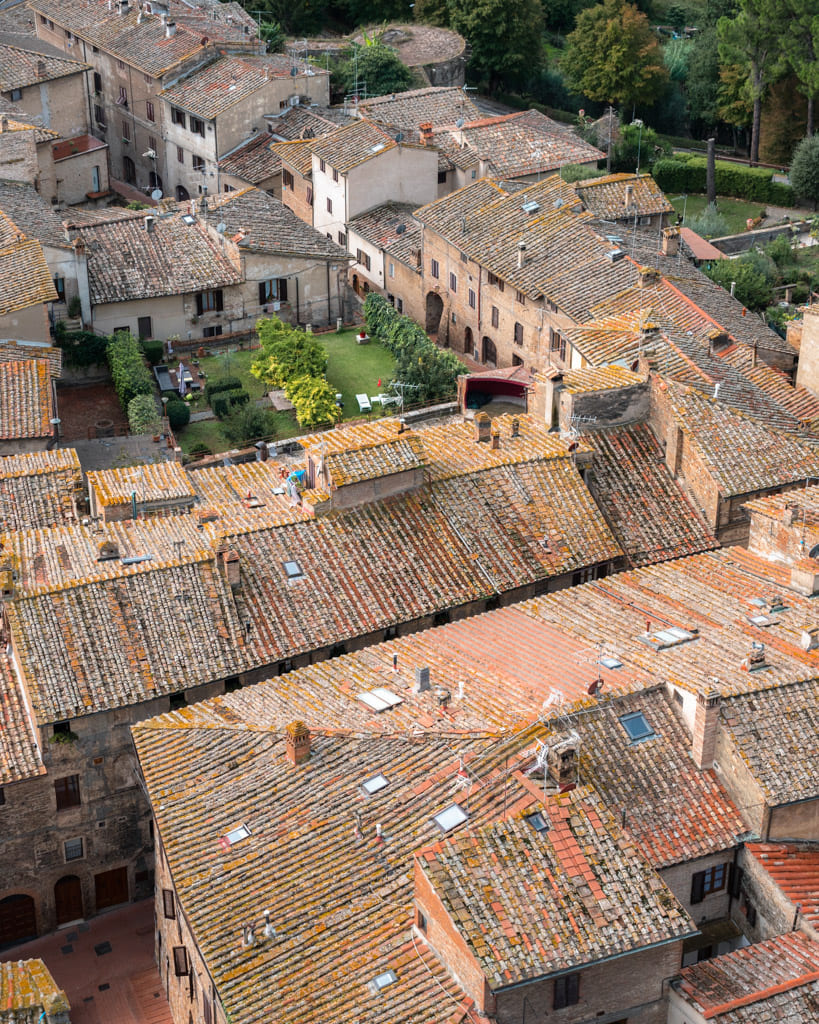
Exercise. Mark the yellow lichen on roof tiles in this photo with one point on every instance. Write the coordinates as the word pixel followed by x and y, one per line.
pixel 26 399
pixel 599 378
pixel 27 985
pixel 151 482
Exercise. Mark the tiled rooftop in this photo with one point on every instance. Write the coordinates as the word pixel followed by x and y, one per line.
pixel 25 279
pixel 262 223
pixel 606 197
pixel 529 903
pixel 801 505
pixel 775 733
pixel 26 989
pixel 38 489
pixel 438 106
pixel 296 154
pixel 253 161
pixel 352 144
pixel 648 513
pixel 794 868
pixel 19 753
pixel 26 399
pixel 127 262
pixel 76 145
pixel 14 351
pixel 231 79
pixel 305 122
pixel 392 228
pixel 395 456
pixel 161 481
pixel 20 68
pixel 770 981
pixel 24 205
pixel 145 45
pixel 599 378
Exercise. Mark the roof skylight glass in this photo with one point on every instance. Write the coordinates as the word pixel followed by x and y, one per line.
pixel 236 835
pixel 381 981
pixel 374 784
pixel 293 569
pixel 539 821
pixel 380 699
pixel 451 818
pixel 637 727
pixel 611 662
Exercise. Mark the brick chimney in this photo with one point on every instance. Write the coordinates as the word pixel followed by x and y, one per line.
pixel 495 437
pixel 425 131
pixel 296 742
pixel 229 566
pixel 648 276
pixel 671 241
pixel 483 428
pixel 706 719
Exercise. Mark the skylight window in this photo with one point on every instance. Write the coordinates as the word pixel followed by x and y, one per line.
pixel 611 662
pixel 669 637
pixel 637 727
pixel 294 570
pixel 382 981
pixel 539 821
pixel 188 219
pixel 236 835
pixel 450 818
pixel 380 699
pixel 375 784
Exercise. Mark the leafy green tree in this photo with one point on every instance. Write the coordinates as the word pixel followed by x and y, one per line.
pixel 800 45
pixel 750 41
pixel 379 69
pixel 298 17
pixel 702 79
pixel 637 147
pixel 432 12
pixel 506 38
pixel 804 173
pixel 613 55
pixel 248 423
pixel 313 399
pixel 273 34
pixel 676 56
pixel 753 287
pixel 286 352
pixel 143 417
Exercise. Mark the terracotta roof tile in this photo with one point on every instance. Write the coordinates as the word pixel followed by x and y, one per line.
pixel 24 205
pixel 26 987
pixel 26 399
pixel 14 351
pixel 20 68
pixel 303 122
pixel 19 753
pixel 298 155
pixel 351 144
pixel 151 482
pixel 25 279
pixel 606 197
pixel 38 489
pixel 392 228
pixel 253 161
pixel 438 106
pixel 794 868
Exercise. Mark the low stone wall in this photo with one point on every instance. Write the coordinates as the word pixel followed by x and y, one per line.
pixel 733 244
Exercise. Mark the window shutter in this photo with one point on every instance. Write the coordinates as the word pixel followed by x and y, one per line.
pixel 283 289
pixel 180 961
pixel 572 989
pixel 199 305
pixel 220 305
pixel 734 880
pixel 262 292
pixel 697 886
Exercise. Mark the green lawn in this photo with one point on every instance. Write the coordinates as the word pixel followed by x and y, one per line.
pixel 353 369
pixel 735 211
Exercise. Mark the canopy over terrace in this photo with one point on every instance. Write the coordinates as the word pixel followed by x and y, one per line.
pixel 509 385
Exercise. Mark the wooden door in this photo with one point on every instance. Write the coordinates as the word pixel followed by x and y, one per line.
pixel 18 920
pixel 68 899
pixel 111 888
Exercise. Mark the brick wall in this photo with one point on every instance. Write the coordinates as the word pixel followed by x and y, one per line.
pixel 742 788
pixel 807 373
pixel 774 911
pixel 714 905
pixel 297 196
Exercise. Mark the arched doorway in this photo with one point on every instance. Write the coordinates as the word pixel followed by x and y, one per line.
pixel 18 920
pixel 469 342
pixel 129 170
pixel 182 194
pixel 356 284
pixel 489 353
pixel 435 309
pixel 68 899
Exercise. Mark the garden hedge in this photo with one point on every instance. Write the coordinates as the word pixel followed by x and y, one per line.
pixel 213 387
pixel 224 402
pixel 129 373
pixel 686 175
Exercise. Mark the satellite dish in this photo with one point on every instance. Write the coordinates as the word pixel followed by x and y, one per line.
pixel 459 123
pixel 399 137
pixel 221 227
pixel 156 195
pixel 293 72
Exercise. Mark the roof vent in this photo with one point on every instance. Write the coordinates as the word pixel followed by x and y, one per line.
pixel 170 29
pixel 615 255
pixel 532 206
pixel 756 658
pixel 401 229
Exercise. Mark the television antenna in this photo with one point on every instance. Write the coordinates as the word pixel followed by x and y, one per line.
pixel 400 387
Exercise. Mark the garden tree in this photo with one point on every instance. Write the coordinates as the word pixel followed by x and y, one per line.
pixel 379 69
pixel 750 40
pixel 702 79
pixel 637 147
pixel 804 173
pixel 248 423
pixel 613 55
pixel 734 104
pixel 143 417
pixel 505 38
pixel 313 399
pixel 753 280
pixel 432 12
pixel 800 49
pixel 273 35
pixel 286 352
pixel 299 17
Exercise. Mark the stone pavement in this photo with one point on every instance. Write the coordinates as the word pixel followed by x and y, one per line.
pixel 106 967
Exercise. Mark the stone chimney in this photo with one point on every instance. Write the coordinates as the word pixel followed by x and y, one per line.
pixel 422 679
pixel 495 437
pixel 425 131
pixel 170 29
pixel 296 742
pixel 41 69
pixel 521 255
pixel 628 199
pixel 149 224
pixel 648 276
pixel 671 241
pixel 229 566
pixel 706 725
pixel 805 577
pixel 483 428
pixel 563 761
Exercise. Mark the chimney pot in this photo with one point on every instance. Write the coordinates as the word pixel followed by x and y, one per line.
pixel 425 130
pixel 671 241
pixel 629 197
pixel 297 742
pixel 495 438
pixel 229 566
pixel 170 29
pixel 521 255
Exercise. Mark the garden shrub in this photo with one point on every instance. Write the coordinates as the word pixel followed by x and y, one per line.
pixel 178 413
pixel 143 417
pixel 224 402
pixel 153 350
pixel 81 348
pixel 213 387
pixel 130 375
pixel 683 174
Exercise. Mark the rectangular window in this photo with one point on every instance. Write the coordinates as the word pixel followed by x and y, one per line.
pixel 274 290
pixel 152 143
pixel 567 991
pixel 335 174
pixel 98 83
pixel 442 177
pixel 120 65
pixel 144 327
pixel 180 961
pixel 149 110
pixel 517 361
pixel 363 258
pixel 59 288
pixel 322 166
pixel 472 299
pixel 329 205
pixel 177 117
pixel 309 195
pixel 126 132
pixel 520 297
pixel 551 305
pixel 434 269
pixel 177 701
pixel 399 305
pixel 705 882
pixel 73 849
pixel 2 796
pixel 147 79
pixel 453 283
pixel 212 332
pixel 99 115
pixel 518 334
pixel 210 302
pixel 562 351
pixel 168 904
pixel 495 316
pixel 180 154
pixel 122 99
pixel 342 239
pixel 197 126
pixel 198 162
pixel 392 270
pixel 67 791
pixel 287 179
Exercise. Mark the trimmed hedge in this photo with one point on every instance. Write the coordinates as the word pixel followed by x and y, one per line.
pixel 153 350
pixel 213 387
pixel 224 402
pixel 688 174
pixel 178 413
pixel 129 373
